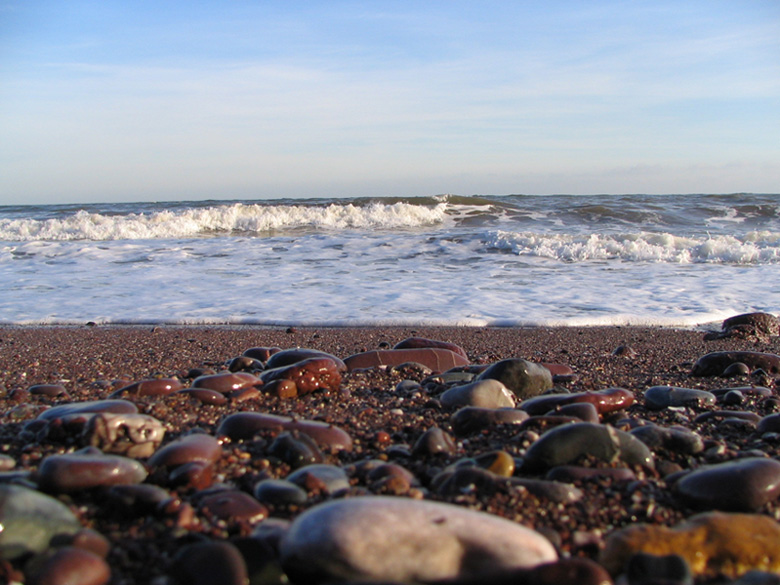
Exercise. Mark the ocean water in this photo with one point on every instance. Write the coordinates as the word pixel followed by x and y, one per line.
pixel 669 260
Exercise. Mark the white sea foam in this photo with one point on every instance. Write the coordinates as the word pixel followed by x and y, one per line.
pixel 85 225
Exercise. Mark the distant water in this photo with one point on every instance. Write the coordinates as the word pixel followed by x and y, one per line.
pixel 673 260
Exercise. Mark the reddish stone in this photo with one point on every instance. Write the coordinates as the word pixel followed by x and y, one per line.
pixel 245 425
pixel 207 563
pixel 232 506
pixel 421 342
pixel 152 387
pixel 197 447
pixel 558 369
pixel 226 381
pixel 605 401
pixel 438 360
pixel 204 395
pixel 261 353
pixel 71 565
pixel 309 375
pixel 244 394
pixel 289 357
pixel 281 389
pixel 77 471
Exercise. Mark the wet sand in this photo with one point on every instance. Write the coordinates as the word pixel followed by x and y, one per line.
pixel 92 361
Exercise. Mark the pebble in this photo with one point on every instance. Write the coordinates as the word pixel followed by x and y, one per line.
pixel 679 440
pixel 132 435
pixel 498 462
pixel 325 478
pixel 69 565
pixel 50 390
pixel 30 520
pixel 296 449
pixel 482 394
pixel 660 397
pixel 310 375
pixel 472 419
pixel 115 406
pixel 245 425
pixel 605 401
pixel 523 378
pixel 196 447
pixel 152 387
pixel 647 569
pixel 401 539
pixel 279 492
pixel 438 360
pixel 226 382
pixel 288 357
pixel 208 563
pixel 421 342
pixel 77 471
pixel 715 363
pixel 743 485
pixel 433 442
pixel 564 444
pixel 769 424
pixel 203 395
pixel 261 353
pixel 232 507
pixel 712 543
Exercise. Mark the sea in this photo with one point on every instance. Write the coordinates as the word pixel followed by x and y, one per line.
pixel 684 261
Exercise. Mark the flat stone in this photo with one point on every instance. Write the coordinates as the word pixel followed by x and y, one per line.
pixel 713 544
pixel 76 471
pixel 151 387
pixel 30 520
pixel 566 443
pixel 115 406
pixel 605 401
pixel 743 485
pixel 715 363
pixel 523 378
pixel 660 397
pixel 245 425
pixel 438 360
pixel 197 447
pixel 400 539
pixel 672 439
pixel 482 394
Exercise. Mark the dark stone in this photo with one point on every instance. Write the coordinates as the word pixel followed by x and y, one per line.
pixel 715 363
pixel 472 419
pixel 523 378
pixel 68 565
pixel 605 401
pixel 208 563
pixel 647 569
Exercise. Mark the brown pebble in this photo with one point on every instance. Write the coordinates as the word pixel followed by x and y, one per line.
pixel 152 387
pixel 204 395
pixel 197 447
pixel 77 471
pixel 69 566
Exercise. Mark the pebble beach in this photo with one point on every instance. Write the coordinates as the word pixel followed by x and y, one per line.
pixel 524 455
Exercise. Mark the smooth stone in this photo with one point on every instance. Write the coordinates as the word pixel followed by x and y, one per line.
pixel 715 363
pixel 401 539
pixel 671 439
pixel 584 411
pixel 86 539
pixel 605 401
pixel 288 357
pixel 261 353
pixel 142 498
pixel 751 417
pixel 712 543
pixel 523 378
pixel 422 342
pixel 310 375
pixel 647 569
pixel 196 447
pixel 438 360
pixel 70 565
pixel 746 390
pixel 245 425
pixel 209 563
pixel 769 424
pixel 226 382
pixel 433 442
pixel 743 485
pixel 31 520
pixel 660 397
pixel 482 394
pixel 195 474
pixel 51 390
pixel 328 479
pixel 115 406
pixel 279 492
pixel 499 462
pixel 244 363
pixel 472 419
pixel 564 444
pixel 132 435
pixel 203 395
pixel 281 389
pixel 77 471
pixel 296 449
pixel 151 387
pixel 232 507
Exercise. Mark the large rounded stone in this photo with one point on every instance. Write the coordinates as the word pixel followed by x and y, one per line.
pixel 715 363
pixel 660 397
pixel 713 544
pixel 245 425
pixel 483 394
pixel 76 471
pixel 523 378
pixel 30 520
pixel 400 539
pixel 565 444
pixel 743 485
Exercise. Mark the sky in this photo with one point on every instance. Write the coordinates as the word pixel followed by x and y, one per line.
pixel 109 100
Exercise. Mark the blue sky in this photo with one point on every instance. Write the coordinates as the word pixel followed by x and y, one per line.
pixel 135 101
